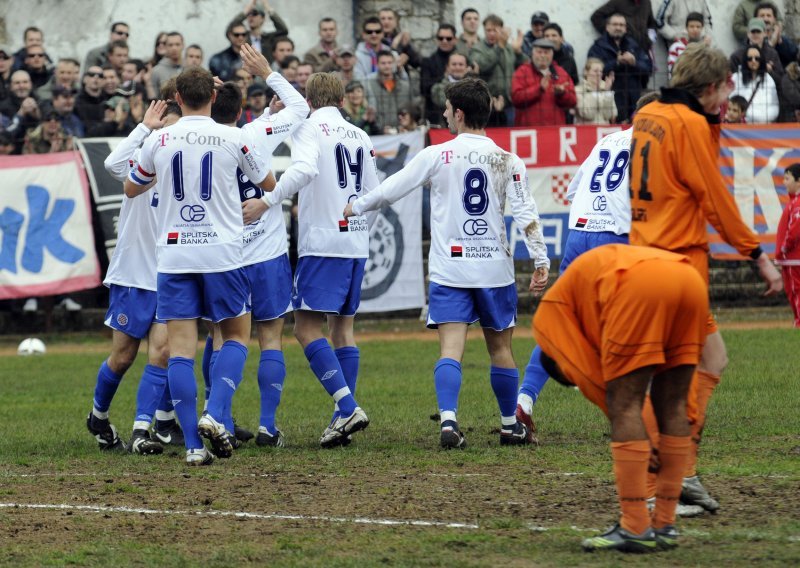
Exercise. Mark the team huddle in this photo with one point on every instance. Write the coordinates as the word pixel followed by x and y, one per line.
pixel 202 236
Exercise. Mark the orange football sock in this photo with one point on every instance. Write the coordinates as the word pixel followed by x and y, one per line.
pixel 673 453
pixel 630 470
pixel 703 385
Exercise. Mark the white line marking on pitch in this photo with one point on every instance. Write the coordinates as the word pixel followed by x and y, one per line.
pixel 240 514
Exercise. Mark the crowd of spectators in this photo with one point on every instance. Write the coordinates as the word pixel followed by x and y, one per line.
pixel 47 100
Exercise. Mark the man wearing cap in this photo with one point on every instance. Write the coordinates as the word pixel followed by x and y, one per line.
pixel 538 21
pixel 345 64
pixel 322 57
pixel 756 35
pixel 64 105
pixel 541 90
pixel 433 69
pixel 255 15
pixel 171 64
pixel 256 103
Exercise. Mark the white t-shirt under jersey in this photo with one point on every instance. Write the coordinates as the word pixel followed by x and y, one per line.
pixel 471 178
pixel 333 162
pixel 134 260
pixel 265 238
pixel 199 211
pixel 600 190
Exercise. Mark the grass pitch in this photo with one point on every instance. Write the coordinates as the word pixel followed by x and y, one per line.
pixel 392 498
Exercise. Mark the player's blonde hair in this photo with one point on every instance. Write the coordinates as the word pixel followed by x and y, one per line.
pixel 698 67
pixel 323 90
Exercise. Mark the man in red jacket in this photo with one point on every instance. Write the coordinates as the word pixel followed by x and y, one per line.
pixel 541 91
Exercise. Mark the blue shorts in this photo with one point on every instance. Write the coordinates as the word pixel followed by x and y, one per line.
pixel 214 296
pixel 270 288
pixel 578 242
pixel 496 308
pixel 131 310
pixel 328 284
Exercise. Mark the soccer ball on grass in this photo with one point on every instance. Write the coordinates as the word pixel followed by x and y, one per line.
pixel 31 346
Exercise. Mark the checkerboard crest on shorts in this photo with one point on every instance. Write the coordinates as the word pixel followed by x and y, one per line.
pixel 559 186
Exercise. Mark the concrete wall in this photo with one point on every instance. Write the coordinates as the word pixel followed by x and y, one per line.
pixel 73 27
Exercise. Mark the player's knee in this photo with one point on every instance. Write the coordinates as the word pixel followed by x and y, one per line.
pixel 158 355
pixel 120 361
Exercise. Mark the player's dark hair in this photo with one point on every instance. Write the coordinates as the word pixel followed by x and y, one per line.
pixel 794 169
pixel 695 17
pixel 228 104
pixel 472 97
pixel 549 365
pixel 172 108
pixel 196 86
pixel 168 90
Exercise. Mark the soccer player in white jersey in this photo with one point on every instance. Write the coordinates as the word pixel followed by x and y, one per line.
pixel 131 280
pixel 199 251
pixel 266 254
pixel 332 163
pixel 471 266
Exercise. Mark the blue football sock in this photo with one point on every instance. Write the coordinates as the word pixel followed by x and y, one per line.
pixel 271 375
pixel 165 404
pixel 535 376
pixel 504 385
pixel 183 387
pixel 349 359
pixel 150 391
pixel 326 367
pixel 447 380
pixel 226 374
pixel 106 387
pixel 207 351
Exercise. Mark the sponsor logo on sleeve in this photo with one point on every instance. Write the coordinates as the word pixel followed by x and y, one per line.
pixel 172 238
pixel 245 150
pixel 456 251
pixel 581 223
pixel 517 177
pixel 268 130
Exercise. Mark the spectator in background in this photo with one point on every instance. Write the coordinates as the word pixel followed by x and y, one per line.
pixel 99 55
pixel 595 97
pixel 408 117
pixel 563 56
pixel 433 68
pixel 736 110
pixel 66 75
pixel 541 91
pixel 756 36
pixel 694 31
pixel 64 105
pixel 256 103
pixel 110 80
pixel 227 61
pixel 243 80
pixel 638 16
pixel 322 57
pixel 367 49
pixel 89 104
pixel 21 107
pixel 671 18
pixel 32 36
pixel 345 63
pixel 193 57
pixel 118 56
pixel 47 137
pixel 457 69
pixel 171 64
pixel 304 71
pixel 470 22
pixel 261 40
pixel 790 94
pixel 6 144
pixel 356 110
pixel 283 47
pixel 753 83
pixel 36 66
pixel 6 61
pixel 538 21
pixel 497 58
pixel 386 91
pixel 630 64
pixel 132 71
pixel 741 18
pixel 288 69
pixel 786 48
pixel 398 41
pixel 159 50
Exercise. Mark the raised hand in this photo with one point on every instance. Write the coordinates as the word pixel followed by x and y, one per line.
pixel 152 116
pixel 254 62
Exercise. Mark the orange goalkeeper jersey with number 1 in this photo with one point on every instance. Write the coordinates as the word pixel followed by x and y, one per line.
pixel 675 182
